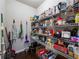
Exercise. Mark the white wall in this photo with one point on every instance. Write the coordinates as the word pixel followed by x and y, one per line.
pixel 49 4
pixel 18 11
pixel 2 6
pixel 2 9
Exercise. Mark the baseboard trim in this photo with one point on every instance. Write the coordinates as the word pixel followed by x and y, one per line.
pixel 20 50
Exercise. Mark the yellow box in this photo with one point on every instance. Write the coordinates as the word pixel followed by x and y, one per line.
pixel 77 18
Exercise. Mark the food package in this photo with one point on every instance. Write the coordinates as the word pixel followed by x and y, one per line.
pixel 32 19
pixel 74 39
pixel 77 18
pixel 49 42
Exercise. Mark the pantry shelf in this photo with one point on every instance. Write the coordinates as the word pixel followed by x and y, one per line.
pixel 48 17
pixel 68 25
pixel 39 27
pixel 52 49
pixel 35 27
pixel 35 21
pixel 45 18
pixel 40 34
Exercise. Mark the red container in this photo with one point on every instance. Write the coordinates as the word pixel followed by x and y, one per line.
pixel 60 48
pixel 41 52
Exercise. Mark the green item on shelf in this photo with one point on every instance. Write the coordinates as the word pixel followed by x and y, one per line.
pixel 48 18
pixel 51 22
pixel 77 18
pixel 36 17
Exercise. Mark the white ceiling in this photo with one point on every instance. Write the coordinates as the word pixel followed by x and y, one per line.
pixel 32 3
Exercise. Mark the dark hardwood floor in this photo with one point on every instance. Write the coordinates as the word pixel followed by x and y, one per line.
pixel 24 55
